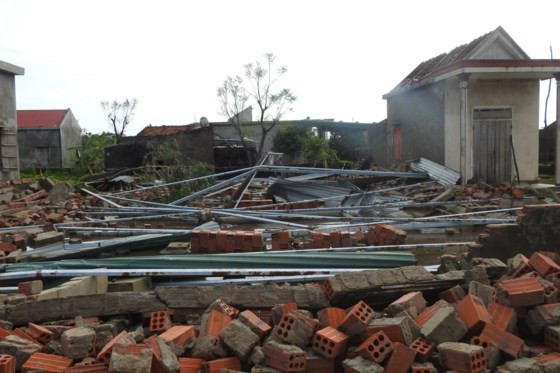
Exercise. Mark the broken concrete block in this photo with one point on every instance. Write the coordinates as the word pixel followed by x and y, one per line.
pixel 484 292
pixel 19 348
pixel 444 326
pixel 239 339
pixel 294 328
pixel 164 359
pixel 204 346
pixel 361 365
pixel 46 238
pixel 30 287
pixel 78 343
pixel 399 329
pixel 462 357
pixel 131 358
pixel 413 303
pixel 477 273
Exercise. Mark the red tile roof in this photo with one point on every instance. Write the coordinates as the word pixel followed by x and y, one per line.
pixel 40 118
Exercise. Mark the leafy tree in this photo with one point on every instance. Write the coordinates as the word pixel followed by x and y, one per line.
pixel 259 86
pixel 349 144
pixel 290 139
pixel 92 154
pixel 119 114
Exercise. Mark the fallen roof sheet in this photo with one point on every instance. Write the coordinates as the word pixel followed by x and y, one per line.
pixel 437 172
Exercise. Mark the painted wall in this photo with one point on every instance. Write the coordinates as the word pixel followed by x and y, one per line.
pixel 70 140
pixel 420 115
pixel 9 166
pixel 521 95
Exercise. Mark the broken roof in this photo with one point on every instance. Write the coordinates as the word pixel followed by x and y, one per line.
pixel 30 119
pixel 495 49
pixel 150 130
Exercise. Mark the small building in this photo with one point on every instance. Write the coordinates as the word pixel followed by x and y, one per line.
pixel 48 139
pixel 474 109
pixel 9 165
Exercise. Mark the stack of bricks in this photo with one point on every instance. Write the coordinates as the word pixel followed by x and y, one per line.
pixel 461 332
pixel 219 242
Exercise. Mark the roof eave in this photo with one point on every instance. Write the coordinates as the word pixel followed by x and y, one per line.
pixel 13 69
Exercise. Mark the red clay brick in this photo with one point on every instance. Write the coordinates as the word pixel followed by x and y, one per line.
pixel 189 364
pixel 545 358
pixel 472 311
pixel 39 333
pixel 93 368
pixel 452 295
pixel 543 265
pixel 360 313
pixel 423 368
pixel 401 359
pixel 160 321
pixel 523 291
pixel 215 366
pixel 505 341
pixel 467 360
pixel 255 323
pixel 412 302
pixel 315 364
pixel 104 355
pixel 504 317
pixel 427 314
pixel 220 305
pixel 376 347
pixel 552 337
pixel 295 328
pixel 329 342
pixel 424 349
pixel 282 309
pixel 217 321
pixel 7 364
pixel 331 316
pixel 47 363
pixel 286 358
pixel 180 335
pixel 22 334
pixel 280 240
pixel 4 333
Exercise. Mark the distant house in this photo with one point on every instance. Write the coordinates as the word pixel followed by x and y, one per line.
pixel 9 166
pixel 48 139
pixel 474 110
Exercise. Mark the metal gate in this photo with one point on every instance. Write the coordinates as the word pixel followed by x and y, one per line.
pixel 492 155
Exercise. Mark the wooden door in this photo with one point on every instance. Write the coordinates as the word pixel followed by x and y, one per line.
pixel 492 156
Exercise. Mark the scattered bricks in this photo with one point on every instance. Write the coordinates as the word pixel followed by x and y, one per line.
pixel 399 329
pixel 429 312
pixel 163 359
pixel 486 293
pixel 93 368
pixel 189 364
pixel 39 333
pixel 30 287
pixel 4 333
pixel 473 312
pixel 505 341
pixel 45 238
pixel 504 317
pixel 220 305
pixel 123 338
pixel 23 335
pixel 401 359
pixel 160 321
pixel 7 364
pixel 216 366
pixel 360 365
pixel 131 358
pixel 552 337
pixel 551 294
pixel 294 328
pixel 462 357
pixel 543 264
pixel 287 358
pixel 239 339
pixel 329 342
pixel 179 338
pixel 541 316
pixel 213 323
pixel 280 310
pixel 7 247
pixel 389 235
pixel 519 266
pixel 78 343
pixel 204 347
pixel 413 303
pixel 423 368
pixel 356 320
pixel 331 316
pixel 444 326
pixel 424 349
pixel 453 295
pixel 376 347
pixel 46 363
pixel 20 348
pixel 520 292
pixel 280 240
pixel 316 364
pixel 35 196
pixel 255 323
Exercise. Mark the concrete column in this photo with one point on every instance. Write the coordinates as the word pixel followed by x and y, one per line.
pixel 557 158
pixel 463 85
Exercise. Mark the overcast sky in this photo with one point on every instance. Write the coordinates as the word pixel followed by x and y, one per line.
pixel 342 56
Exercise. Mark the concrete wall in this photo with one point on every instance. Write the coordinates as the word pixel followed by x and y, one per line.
pixel 195 145
pixel 377 141
pixel 253 132
pixel 39 149
pixel 420 115
pixel 70 140
pixel 9 166
pixel 521 95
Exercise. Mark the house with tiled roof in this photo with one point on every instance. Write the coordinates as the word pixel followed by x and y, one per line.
pixel 48 139
pixel 9 166
pixel 474 109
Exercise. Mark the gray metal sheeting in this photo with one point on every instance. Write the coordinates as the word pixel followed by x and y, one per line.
pixel 437 172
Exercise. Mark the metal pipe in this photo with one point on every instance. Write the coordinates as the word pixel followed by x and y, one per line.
pixel 255 218
pixel 311 170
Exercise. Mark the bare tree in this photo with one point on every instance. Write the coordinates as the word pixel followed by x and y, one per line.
pixel 258 86
pixel 119 115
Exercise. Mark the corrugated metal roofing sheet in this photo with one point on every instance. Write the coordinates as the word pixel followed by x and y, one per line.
pixel 437 172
